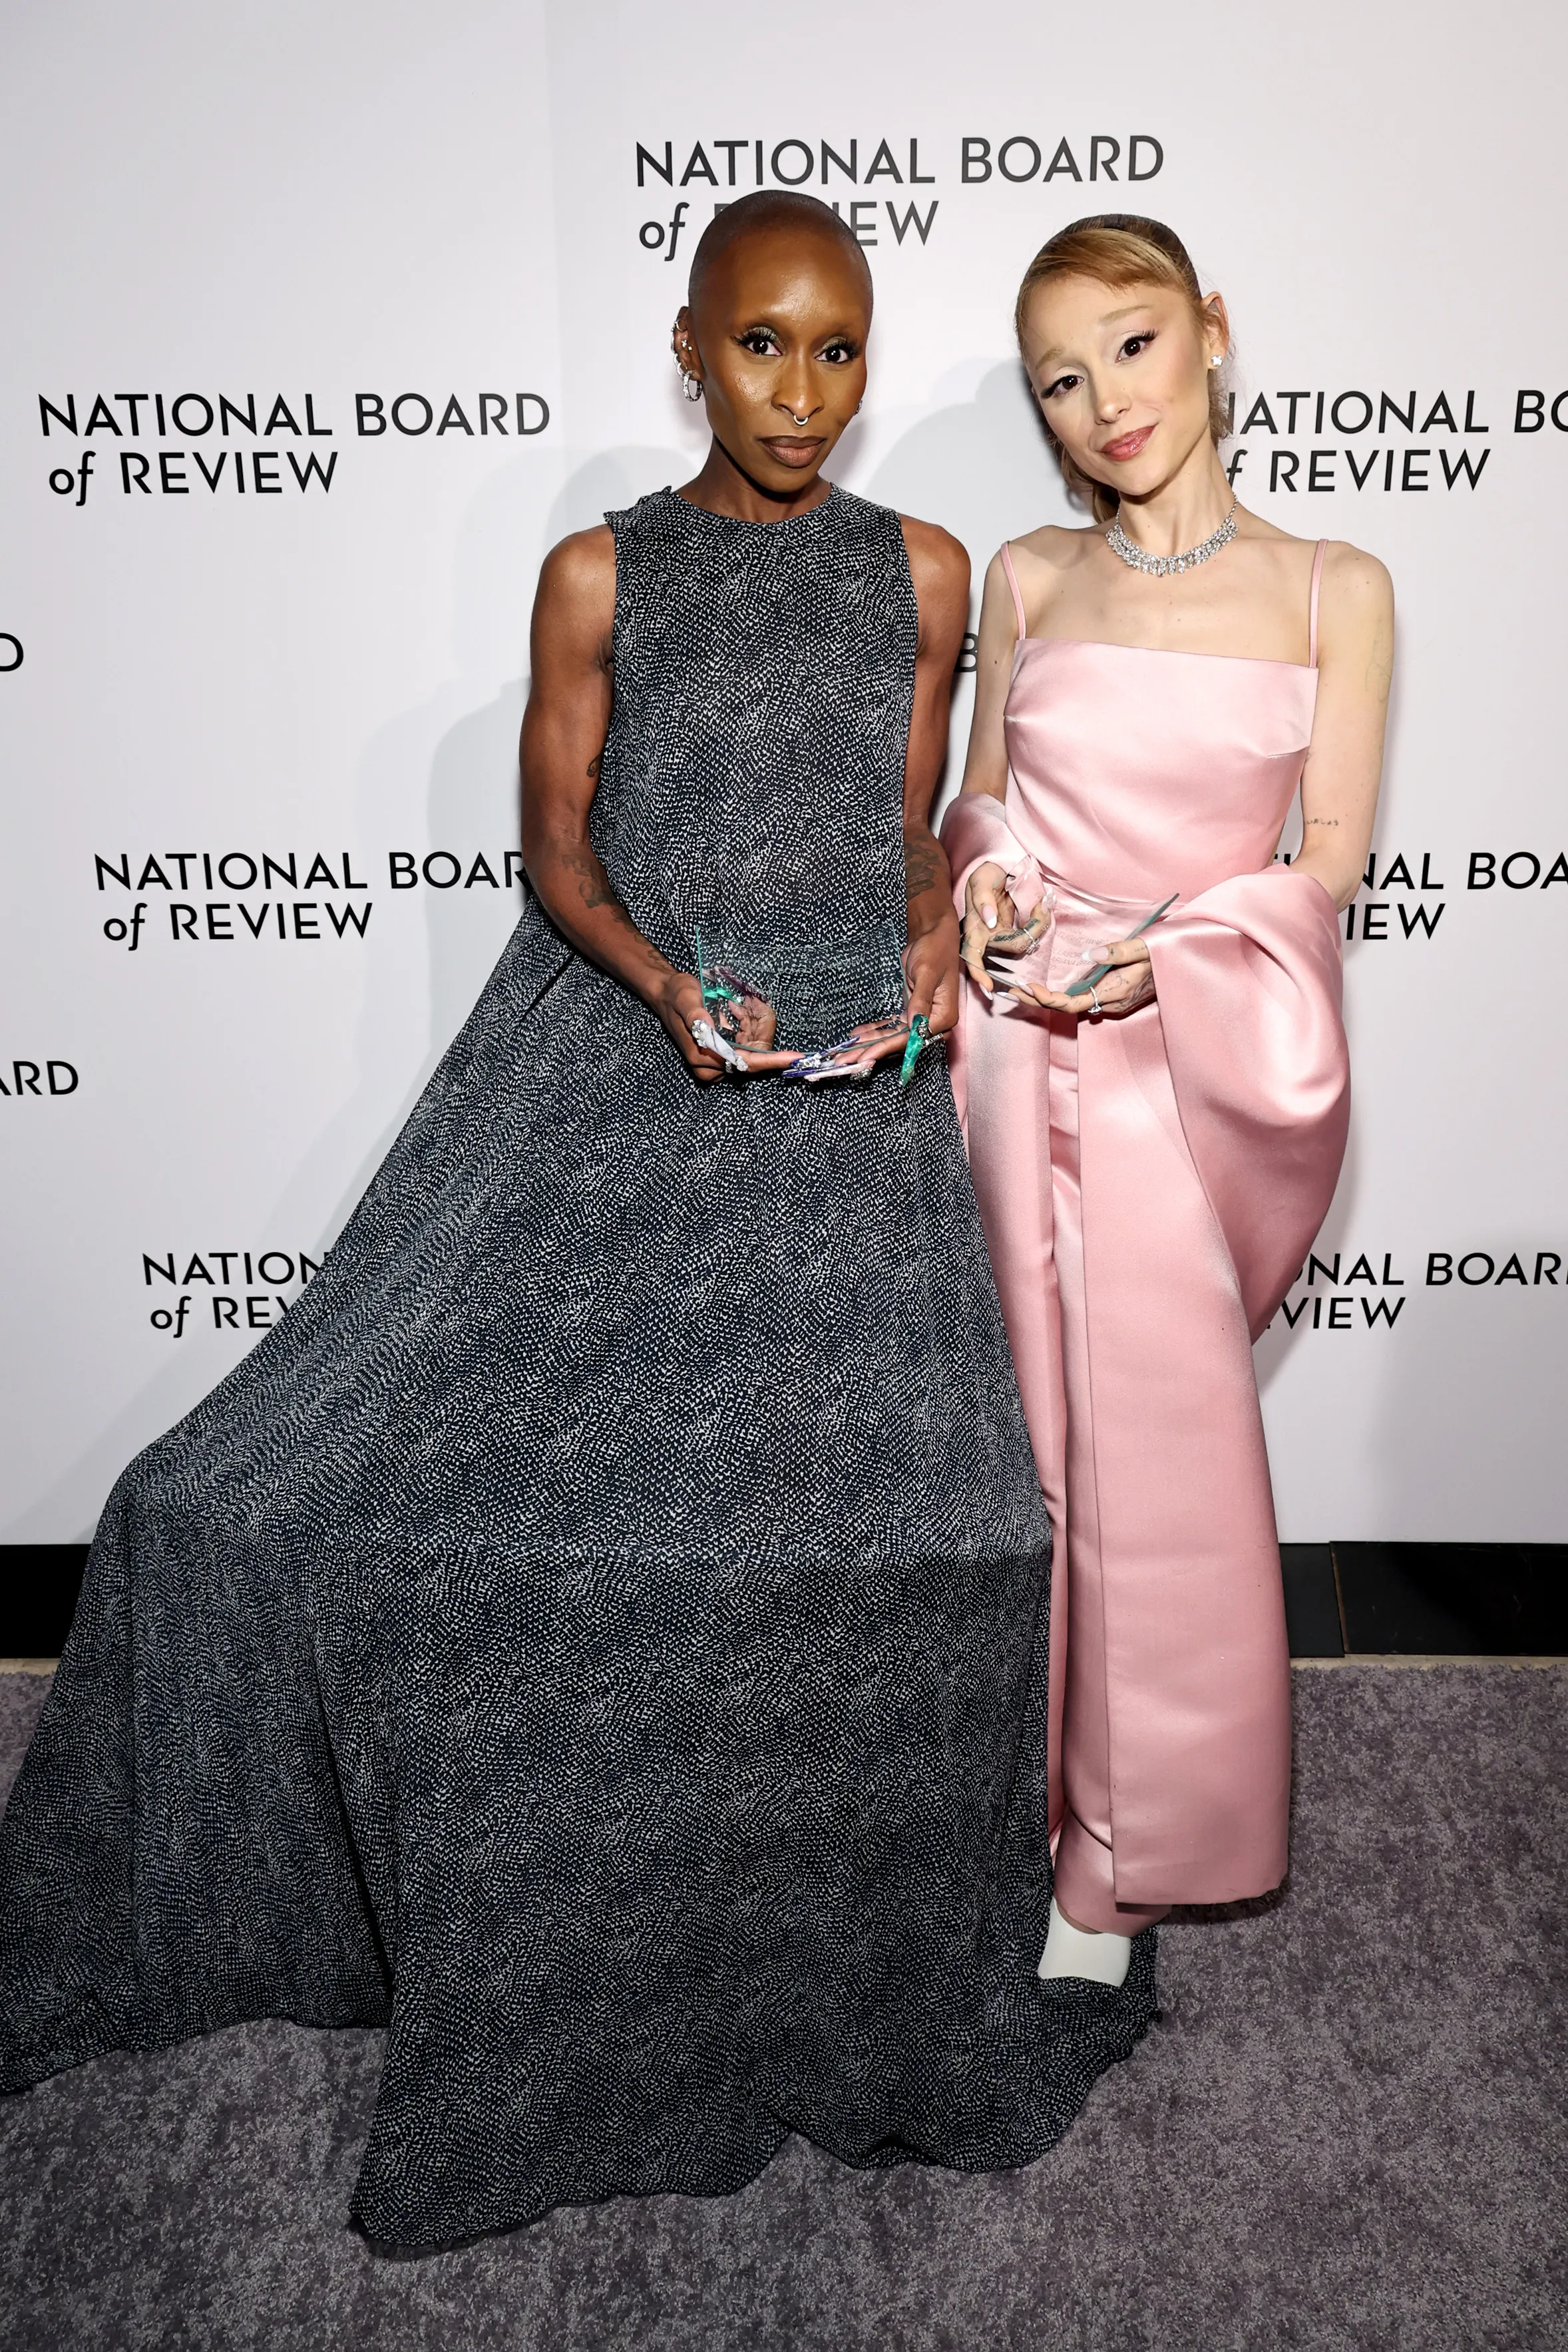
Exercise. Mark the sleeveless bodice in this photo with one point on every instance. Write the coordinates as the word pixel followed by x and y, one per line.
pixel 753 776
pixel 600 1632
pixel 1134 772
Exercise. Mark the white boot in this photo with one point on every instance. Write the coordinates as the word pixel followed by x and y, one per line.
pixel 1099 1957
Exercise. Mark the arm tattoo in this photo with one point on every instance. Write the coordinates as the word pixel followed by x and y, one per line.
pixel 923 864
pixel 593 883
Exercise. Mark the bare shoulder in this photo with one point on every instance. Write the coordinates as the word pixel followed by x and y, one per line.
pixel 581 568
pixel 1054 546
pixel 1356 593
pixel 937 560
pixel 1356 612
pixel 1354 582
pixel 1355 620
pixel 1349 572
pixel 939 572
pixel 574 602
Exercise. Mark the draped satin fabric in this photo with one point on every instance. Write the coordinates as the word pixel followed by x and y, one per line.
pixel 1149 1184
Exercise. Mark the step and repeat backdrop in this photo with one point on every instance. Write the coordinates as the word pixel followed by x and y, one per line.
pixel 323 323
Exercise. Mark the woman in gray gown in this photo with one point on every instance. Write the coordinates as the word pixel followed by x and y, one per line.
pixel 600 1633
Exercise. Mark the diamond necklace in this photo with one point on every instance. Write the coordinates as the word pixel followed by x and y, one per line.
pixel 1162 566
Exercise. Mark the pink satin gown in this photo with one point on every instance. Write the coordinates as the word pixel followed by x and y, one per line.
pixel 1150 1185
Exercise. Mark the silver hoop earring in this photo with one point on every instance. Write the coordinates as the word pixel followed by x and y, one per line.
pixel 691 386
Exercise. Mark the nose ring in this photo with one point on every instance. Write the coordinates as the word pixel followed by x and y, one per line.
pixel 800 420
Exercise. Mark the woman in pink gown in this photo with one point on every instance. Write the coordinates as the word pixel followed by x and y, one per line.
pixel 1154 1154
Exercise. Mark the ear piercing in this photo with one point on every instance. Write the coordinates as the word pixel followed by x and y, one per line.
pixel 1219 359
pixel 691 386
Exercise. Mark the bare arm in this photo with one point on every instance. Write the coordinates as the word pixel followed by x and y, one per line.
pixel 986 767
pixel 939 568
pixel 563 730
pixel 1344 766
pixel 990 919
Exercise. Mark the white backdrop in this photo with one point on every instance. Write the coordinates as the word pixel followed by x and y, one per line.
pixel 332 207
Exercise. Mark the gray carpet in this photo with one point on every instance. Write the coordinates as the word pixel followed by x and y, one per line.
pixel 1348 2131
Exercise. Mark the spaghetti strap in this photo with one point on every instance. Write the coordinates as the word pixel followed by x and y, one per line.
pixel 1018 601
pixel 1312 621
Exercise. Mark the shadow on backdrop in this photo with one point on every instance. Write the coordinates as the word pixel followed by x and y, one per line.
pixel 982 468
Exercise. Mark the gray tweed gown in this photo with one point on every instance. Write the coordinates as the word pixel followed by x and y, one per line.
pixel 600 1633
